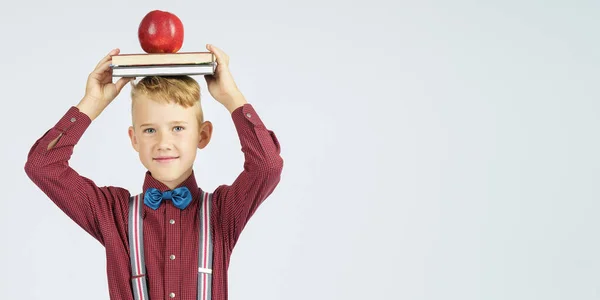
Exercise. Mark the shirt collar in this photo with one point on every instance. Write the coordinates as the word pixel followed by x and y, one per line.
pixel 190 183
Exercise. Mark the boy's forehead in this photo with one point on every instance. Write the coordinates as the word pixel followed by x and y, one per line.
pixel 148 110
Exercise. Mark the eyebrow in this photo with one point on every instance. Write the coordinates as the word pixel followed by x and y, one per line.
pixel 172 123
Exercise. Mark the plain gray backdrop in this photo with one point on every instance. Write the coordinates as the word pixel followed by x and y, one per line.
pixel 433 149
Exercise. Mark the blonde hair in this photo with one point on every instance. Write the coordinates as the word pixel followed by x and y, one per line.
pixel 182 90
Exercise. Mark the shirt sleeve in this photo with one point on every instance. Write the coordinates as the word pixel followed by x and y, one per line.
pixel 90 206
pixel 263 165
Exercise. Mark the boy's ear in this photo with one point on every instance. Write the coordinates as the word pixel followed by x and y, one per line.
pixel 205 133
pixel 134 142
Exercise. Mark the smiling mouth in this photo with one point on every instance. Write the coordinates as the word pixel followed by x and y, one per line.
pixel 165 159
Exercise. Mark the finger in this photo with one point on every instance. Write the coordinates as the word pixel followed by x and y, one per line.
pixel 99 71
pixel 122 82
pixel 103 67
pixel 222 58
pixel 108 56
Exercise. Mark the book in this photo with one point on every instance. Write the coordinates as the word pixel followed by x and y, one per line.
pixel 151 59
pixel 164 70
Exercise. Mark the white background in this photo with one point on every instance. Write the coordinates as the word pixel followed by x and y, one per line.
pixel 433 149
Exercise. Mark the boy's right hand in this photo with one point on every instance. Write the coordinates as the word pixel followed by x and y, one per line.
pixel 100 91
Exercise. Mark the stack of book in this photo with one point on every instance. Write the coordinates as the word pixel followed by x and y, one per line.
pixel 163 64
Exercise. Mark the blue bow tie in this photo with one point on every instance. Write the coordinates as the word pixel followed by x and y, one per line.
pixel 180 196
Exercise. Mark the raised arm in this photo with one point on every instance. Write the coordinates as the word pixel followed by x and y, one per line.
pixel 263 165
pixel 47 165
pixel 262 170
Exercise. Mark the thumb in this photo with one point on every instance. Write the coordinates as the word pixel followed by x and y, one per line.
pixel 209 79
pixel 122 82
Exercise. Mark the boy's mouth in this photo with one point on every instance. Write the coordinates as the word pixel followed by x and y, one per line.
pixel 163 159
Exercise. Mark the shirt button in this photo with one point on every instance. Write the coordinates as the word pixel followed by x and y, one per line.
pixel 172 295
pixel 249 115
pixel 172 221
pixel 172 257
pixel 73 120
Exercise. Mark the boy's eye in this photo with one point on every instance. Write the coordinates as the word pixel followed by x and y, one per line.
pixel 149 130
pixel 178 128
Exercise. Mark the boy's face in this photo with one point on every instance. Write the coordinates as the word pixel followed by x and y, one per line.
pixel 167 136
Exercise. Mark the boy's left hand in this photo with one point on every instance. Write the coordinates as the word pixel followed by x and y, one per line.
pixel 221 85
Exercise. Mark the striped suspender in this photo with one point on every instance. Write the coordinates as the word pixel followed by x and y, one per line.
pixel 136 248
pixel 206 250
pixel 136 244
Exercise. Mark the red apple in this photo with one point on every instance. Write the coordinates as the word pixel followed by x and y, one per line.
pixel 160 32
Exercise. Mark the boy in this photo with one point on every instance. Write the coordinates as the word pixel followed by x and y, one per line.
pixel 163 247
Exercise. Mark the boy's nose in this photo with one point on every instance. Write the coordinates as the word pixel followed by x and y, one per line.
pixel 164 146
pixel 164 142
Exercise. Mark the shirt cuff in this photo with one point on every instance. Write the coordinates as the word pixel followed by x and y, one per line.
pixel 72 125
pixel 246 114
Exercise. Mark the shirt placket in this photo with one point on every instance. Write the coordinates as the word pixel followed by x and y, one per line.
pixel 173 252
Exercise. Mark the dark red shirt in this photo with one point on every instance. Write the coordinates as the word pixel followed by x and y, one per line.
pixel 103 211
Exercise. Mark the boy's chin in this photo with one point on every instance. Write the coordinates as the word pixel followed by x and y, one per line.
pixel 168 174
